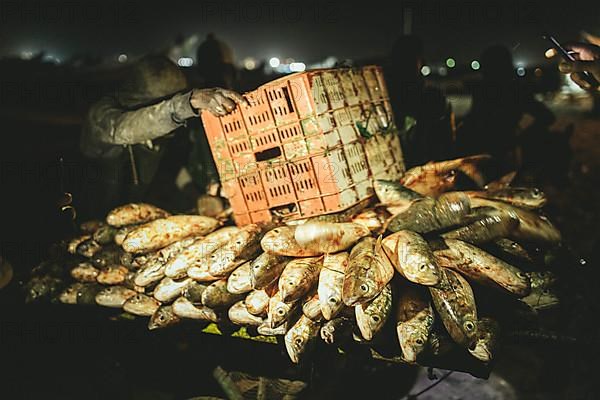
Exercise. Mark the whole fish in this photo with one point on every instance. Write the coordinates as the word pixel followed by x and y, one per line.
pixel 154 269
pixel 113 275
pixel 216 295
pixel 483 267
pixel 105 235
pixel 279 311
pixel 163 317
pixel 487 340
pixel 88 248
pixel 455 304
pixel 141 305
pixel 86 293
pixel 299 338
pixel 165 231
pixel 414 321
pixel 338 330
pixel 266 269
pixel 168 289
pixel 197 254
pixel 331 284
pixel 184 308
pixel 266 330
pixel 341 216
pixel 114 296
pixel 85 272
pixel 312 308
pixel 281 241
pixel 239 315
pixel 75 242
pixel 69 295
pixel 329 237
pixel 512 248
pixel 524 197
pixel 370 317
pixel 486 229
pixel 298 277
pixel 107 256
pixel 532 226
pixel 369 270
pixel 242 247
pixel 257 302
pixel 193 292
pixel 373 219
pixel 240 280
pixel 429 214
pixel 412 257
pixel 134 213
pixel 392 193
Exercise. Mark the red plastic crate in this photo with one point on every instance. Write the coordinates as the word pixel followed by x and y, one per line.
pixel 298 151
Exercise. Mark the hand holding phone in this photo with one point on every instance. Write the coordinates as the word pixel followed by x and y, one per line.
pixel 585 75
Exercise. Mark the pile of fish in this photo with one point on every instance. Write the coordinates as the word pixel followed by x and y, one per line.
pixel 411 260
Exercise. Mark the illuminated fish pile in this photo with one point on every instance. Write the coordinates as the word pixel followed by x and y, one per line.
pixel 409 260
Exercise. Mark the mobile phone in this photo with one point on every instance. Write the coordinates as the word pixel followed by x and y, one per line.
pixel 569 57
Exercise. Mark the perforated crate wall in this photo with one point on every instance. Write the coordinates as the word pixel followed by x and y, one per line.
pixel 299 149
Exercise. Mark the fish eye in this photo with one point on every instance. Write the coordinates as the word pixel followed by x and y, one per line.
pixel 161 318
pixel 419 341
pixel 536 192
pixel 521 275
pixel 332 300
pixel 469 326
pixel 280 312
pixel 364 287
pixel 422 267
pixel 514 245
pixel 298 341
pixel 376 318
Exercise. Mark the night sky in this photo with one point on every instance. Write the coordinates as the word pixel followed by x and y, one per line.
pixel 307 31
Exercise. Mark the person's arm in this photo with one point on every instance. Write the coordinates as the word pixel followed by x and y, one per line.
pixel 122 127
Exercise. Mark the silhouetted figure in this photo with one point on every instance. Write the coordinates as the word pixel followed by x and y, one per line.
pixel 500 101
pixel 422 110
pixel 215 63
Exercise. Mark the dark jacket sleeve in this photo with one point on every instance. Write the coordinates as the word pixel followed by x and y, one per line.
pixel 110 124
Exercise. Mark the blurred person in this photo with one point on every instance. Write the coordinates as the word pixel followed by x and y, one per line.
pixel 502 106
pixel 215 63
pixel 129 135
pixel 422 113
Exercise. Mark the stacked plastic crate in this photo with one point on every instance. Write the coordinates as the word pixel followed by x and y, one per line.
pixel 310 143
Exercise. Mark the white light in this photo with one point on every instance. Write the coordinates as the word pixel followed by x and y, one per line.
pixel 274 62
pixel 442 71
pixel 425 70
pixel 122 58
pixel 521 71
pixel 475 65
pixel 249 63
pixel 297 67
pixel 185 62
pixel 27 55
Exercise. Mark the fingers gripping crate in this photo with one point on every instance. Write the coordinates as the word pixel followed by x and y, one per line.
pixel 308 144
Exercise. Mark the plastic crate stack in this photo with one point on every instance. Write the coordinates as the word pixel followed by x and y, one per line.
pixel 309 144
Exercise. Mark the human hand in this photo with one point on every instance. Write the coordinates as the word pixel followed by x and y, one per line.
pixel 216 100
pixel 587 58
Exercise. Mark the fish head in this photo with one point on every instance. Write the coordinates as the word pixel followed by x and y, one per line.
pixel 290 286
pixel 162 318
pixel 296 342
pixel 421 268
pixel 279 314
pixel 357 291
pixel 469 329
pixel 331 306
pixel 369 322
pixel 413 339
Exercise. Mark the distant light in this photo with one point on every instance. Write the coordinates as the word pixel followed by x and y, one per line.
pixel 27 55
pixel 450 62
pixel 249 63
pixel 185 62
pixel 475 65
pixel 521 71
pixel 51 58
pixel 425 70
pixel 297 67
pixel 442 71
pixel 274 62
pixel 538 72
pixel 122 58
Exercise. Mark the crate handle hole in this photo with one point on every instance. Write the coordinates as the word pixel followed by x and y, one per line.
pixel 284 210
pixel 268 154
